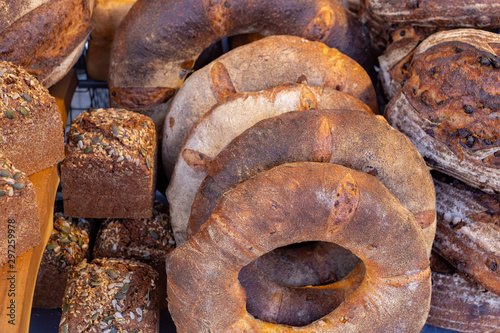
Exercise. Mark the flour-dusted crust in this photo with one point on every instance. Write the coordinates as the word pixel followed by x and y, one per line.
pixel 329 203
pixel 228 119
pixel 109 169
pixel 20 225
pixel 31 128
pixel 459 304
pixel 258 66
pixel 448 106
pixel 455 13
pixel 353 139
pixel 468 231
pixel 33 40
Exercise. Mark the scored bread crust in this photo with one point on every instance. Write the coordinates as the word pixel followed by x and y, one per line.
pixel 159 42
pixel 261 65
pixel 468 230
pixel 459 304
pixel 226 120
pixel 34 41
pixel 447 107
pixel 455 13
pixel 328 203
pixel 353 139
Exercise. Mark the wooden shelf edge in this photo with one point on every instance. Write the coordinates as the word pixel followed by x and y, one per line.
pixel 27 265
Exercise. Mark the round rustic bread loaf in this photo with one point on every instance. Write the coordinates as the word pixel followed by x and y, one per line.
pixel 468 231
pixel 448 107
pixel 226 120
pixel 158 43
pixel 258 66
pixel 329 203
pixel 353 139
pixel 31 30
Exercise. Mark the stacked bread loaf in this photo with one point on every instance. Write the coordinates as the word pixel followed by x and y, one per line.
pixel 447 105
pixel 234 144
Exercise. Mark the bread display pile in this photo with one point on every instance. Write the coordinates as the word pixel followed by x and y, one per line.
pixel 305 194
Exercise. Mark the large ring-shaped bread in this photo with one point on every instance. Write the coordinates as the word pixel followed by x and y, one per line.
pixel 159 41
pixel 260 65
pixel 353 139
pixel 449 105
pixel 225 121
pixel 296 203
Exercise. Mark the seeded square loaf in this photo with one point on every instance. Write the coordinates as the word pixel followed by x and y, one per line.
pixel 146 240
pixel 109 169
pixel 31 128
pixel 111 295
pixel 68 245
pixel 19 219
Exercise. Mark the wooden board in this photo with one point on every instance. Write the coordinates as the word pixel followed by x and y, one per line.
pixel 17 318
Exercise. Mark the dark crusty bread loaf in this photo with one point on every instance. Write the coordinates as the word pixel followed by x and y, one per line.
pixel 34 39
pixel 468 231
pixel 294 203
pixel 110 295
pixel 20 225
pixel 448 107
pixel 68 245
pixel 109 169
pixel 460 304
pixel 32 132
pixel 154 50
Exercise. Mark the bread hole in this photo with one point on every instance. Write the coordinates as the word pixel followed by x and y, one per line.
pixel 271 282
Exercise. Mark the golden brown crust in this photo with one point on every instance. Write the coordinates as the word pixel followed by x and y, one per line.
pixel 253 219
pixel 358 141
pixel 468 231
pixel 34 40
pixel 20 228
pixel 31 127
pixel 448 105
pixel 254 67
pixel 166 57
pixel 110 153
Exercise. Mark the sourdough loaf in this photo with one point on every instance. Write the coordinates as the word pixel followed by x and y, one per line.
pixel 109 169
pixel 20 225
pixel 448 106
pixel 30 35
pixel 30 121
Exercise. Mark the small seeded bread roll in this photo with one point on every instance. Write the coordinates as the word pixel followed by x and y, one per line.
pixel 109 169
pixel 145 240
pixel 111 294
pixel 20 224
pixel 34 40
pixel 32 132
pixel 449 105
pixel 68 245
